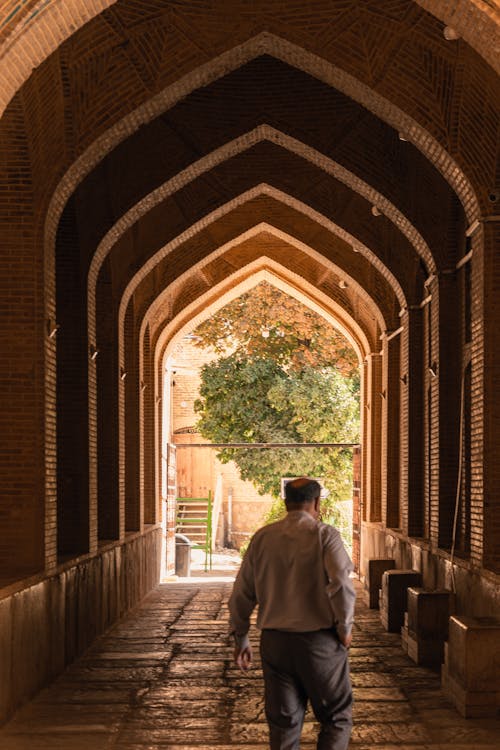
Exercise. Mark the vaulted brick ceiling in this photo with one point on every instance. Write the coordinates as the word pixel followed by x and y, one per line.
pixel 134 50
pixel 28 36
pixel 146 122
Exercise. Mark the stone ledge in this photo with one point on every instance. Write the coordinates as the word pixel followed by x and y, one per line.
pixel 67 612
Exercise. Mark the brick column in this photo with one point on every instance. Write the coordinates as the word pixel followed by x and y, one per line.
pixel 356 507
pixel 478 401
pixel 374 429
pixel 22 340
pixel 491 399
pixel 390 430
pixel 170 509
pixel 448 374
pixel 111 515
pixel 130 433
pixel 146 433
pixel 76 429
pixel 411 455
pixel 365 422
pixel 431 411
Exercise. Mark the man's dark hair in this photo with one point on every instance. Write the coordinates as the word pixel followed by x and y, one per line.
pixel 301 491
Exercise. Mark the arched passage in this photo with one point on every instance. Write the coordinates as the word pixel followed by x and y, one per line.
pixel 208 271
pixel 92 482
pixel 419 525
pixel 359 141
pixel 215 290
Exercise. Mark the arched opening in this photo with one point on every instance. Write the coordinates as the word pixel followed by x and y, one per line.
pixel 253 278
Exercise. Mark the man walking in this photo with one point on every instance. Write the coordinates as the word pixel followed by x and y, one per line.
pixel 297 571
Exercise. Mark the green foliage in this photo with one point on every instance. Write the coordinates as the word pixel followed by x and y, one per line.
pixel 244 400
pixel 266 323
pixel 234 402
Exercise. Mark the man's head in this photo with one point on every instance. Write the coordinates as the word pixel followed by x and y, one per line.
pixel 303 494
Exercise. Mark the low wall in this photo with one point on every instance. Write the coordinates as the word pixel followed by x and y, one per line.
pixel 47 624
pixel 477 589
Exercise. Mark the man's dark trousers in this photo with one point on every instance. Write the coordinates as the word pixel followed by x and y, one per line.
pixel 301 666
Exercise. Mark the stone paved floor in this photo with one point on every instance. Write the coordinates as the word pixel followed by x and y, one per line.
pixel 163 679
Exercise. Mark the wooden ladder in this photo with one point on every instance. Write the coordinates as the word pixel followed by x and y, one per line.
pixel 194 520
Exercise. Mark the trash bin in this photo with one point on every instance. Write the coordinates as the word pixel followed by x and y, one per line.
pixel 182 556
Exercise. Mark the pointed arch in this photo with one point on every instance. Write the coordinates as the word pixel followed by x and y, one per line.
pixel 236 146
pixel 263 269
pixel 207 220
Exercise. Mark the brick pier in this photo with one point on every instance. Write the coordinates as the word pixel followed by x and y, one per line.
pixel 163 678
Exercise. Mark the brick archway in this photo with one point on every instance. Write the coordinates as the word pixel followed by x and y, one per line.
pixel 384 273
pixel 242 199
pixel 149 321
pixel 372 142
pixel 262 133
pixel 298 57
pixel 241 281
pixel 263 43
pixel 174 291
pixel 164 300
pixel 371 379
pixel 283 50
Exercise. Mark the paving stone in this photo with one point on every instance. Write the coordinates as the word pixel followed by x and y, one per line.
pixel 34 719
pixel 365 711
pixel 473 735
pixel 81 741
pixel 397 733
pixel 373 679
pixel 377 652
pixel 189 693
pixel 54 726
pixel 88 695
pixel 378 694
pixel 217 746
pixel 201 734
pixel 119 674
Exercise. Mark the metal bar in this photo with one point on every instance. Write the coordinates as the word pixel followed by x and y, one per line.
pixel 465 259
pixel 197 500
pixel 208 538
pixel 268 445
pixel 395 333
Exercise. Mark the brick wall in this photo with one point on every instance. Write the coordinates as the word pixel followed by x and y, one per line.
pixel 22 503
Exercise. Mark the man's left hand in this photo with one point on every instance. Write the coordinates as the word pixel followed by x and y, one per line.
pixel 243 657
pixel 346 640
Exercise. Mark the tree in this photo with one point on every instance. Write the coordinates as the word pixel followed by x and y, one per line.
pixel 257 400
pixel 283 376
pixel 266 322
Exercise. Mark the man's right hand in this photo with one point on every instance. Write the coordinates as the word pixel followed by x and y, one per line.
pixel 243 657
